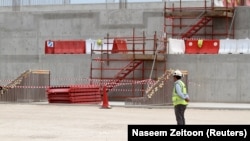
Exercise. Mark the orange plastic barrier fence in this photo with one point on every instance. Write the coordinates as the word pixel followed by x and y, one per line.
pixel 201 46
pixel 65 47
pixel 119 45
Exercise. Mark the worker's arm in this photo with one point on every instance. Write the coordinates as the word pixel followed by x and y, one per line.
pixel 179 92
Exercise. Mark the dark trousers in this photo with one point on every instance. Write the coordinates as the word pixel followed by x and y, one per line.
pixel 179 114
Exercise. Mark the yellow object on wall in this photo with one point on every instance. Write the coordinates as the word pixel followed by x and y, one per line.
pixel 99 42
pixel 200 43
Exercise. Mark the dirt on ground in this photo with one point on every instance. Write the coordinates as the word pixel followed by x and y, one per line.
pixel 65 122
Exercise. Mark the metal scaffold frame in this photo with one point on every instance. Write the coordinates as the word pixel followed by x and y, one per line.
pixel 126 71
pixel 198 22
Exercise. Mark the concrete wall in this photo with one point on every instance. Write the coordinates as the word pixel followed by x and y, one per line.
pixel 24 32
pixel 215 78
pixel 212 78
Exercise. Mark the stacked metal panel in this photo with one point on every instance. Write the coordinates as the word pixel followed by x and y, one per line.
pixel 74 94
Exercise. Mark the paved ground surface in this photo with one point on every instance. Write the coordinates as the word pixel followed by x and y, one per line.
pixel 63 122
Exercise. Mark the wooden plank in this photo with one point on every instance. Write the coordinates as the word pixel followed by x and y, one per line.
pixel 40 71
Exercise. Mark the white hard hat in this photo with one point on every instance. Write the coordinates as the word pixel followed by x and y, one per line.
pixel 177 73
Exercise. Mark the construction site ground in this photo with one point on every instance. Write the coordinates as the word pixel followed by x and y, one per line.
pixel 77 122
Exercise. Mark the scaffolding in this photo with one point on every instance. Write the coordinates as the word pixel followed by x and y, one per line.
pixel 206 22
pixel 127 71
pixel 127 67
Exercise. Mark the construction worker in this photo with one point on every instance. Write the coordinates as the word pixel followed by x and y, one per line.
pixel 180 97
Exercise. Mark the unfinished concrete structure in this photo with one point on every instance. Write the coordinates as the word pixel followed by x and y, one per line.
pixel 212 78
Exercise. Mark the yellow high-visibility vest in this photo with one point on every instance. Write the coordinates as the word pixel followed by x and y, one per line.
pixel 176 99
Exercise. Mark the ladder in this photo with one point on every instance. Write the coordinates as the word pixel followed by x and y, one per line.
pixel 123 73
pixel 195 28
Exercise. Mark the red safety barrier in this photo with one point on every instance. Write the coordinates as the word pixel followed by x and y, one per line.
pixel 119 46
pixel 65 47
pixel 193 46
